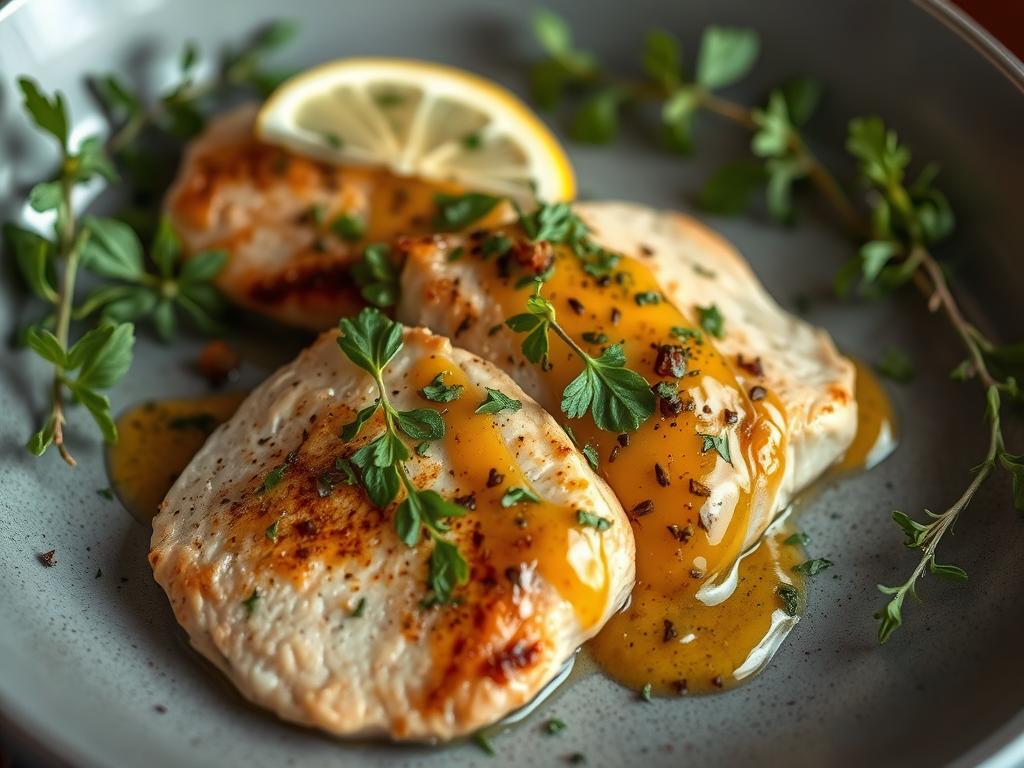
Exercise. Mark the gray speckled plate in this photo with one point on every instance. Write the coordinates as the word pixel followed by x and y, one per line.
pixel 85 661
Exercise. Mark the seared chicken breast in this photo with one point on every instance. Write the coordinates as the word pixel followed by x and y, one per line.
pixel 286 576
pixel 761 350
pixel 292 226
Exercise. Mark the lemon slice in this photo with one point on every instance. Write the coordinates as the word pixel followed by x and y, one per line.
pixel 419 119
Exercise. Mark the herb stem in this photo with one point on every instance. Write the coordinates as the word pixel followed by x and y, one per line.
pixel 70 247
pixel 967 332
pixel 730 110
pixel 560 332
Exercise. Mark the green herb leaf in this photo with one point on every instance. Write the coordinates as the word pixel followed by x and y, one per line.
pixel 113 249
pixel 597 119
pixel 456 212
pixel 812 567
pixel 250 603
pixel 46 196
pixel 46 345
pixel 717 443
pixel 1014 464
pixel 349 227
pixel 371 340
pixel 33 254
pixel 712 321
pixel 662 59
pixel 646 298
pixel 592 457
pixel 874 255
pixel 448 570
pixel 439 392
pixel 554 725
pixel 948 572
pixel 591 520
pixel 49 114
pixel 421 423
pixel 496 402
pixel 802 95
pixel 726 55
pixel 377 277
pixel 647 693
pixel 518 495
pixel 110 361
pixel 798 539
pixel 619 399
pixel 203 267
pixel 895 365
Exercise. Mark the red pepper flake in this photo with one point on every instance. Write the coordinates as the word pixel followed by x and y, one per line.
pixel 671 361
pixel 576 306
pixel 306 527
pixel 623 439
pixel 48 558
pixel 680 687
pixel 616 316
pixel 669 632
pixel 645 507
pixel 731 417
pixel 758 393
pixel 696 573
pixel 218 363
pixel 662 476
pixel 613 454
pixel 717 681
pixel 698 488
pixel 465 325
pixel 494 478
pixel 753 367
pixel 468 501
pixel 646 250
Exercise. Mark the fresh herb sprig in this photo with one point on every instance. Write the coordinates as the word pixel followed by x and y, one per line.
pixel 903 221
pixel 371 341
pixel 179 110
pixel 50 269
pixel 618 398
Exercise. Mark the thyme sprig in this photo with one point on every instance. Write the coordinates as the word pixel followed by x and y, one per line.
pixel 898 222
pixel 371 341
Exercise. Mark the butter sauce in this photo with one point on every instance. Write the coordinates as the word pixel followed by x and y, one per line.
pixel 156 442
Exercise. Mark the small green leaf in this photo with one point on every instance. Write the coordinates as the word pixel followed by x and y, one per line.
pixel 203 267
pixel 46 345
pixel 647 693
pixel 166 247
pixel 496 402
pixel 421 423
pixel 774 129
pixel 350 430
pixel 619 399
pixel 448 570
pixel 663 59
pixel 113 249
pixel 552 32
pixel 32 253
pixel 110 362
pixel 948 572
pixel 49 114
pixel 439 392
pixel 597 119
pixel 1014 464
pixel 42 439
pixel 99 408
pixel 371 340
pixel 882 158
pixel 798 539
pixel 46 196
pixel 164 320
pixel 349 228
pixel 554 725
pixel 891 617
pixel 783 173
pixel 717 443
pixel 591 520
pixel 376 276
pixel 812 567
pixel 802 95
pixel 874 255
pixel 89 345
pixel 590 454
pixel 896 365
pixel 518 495
pixel 712 321
pixel 726 55
pixel 456 212
pixel 251 602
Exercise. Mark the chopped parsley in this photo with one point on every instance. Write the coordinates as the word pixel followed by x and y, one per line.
pixel 349 228
pixel 251 602
pixel 591 520
pixel 711 321
pixel 717 443
pixel 812 567
pixel 517 495
pixel 439 392
pixel 798 539
pixel 645 298
pixel 790 597
pixel 496 402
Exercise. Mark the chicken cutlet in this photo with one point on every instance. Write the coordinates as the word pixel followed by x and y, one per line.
pixel 300 590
